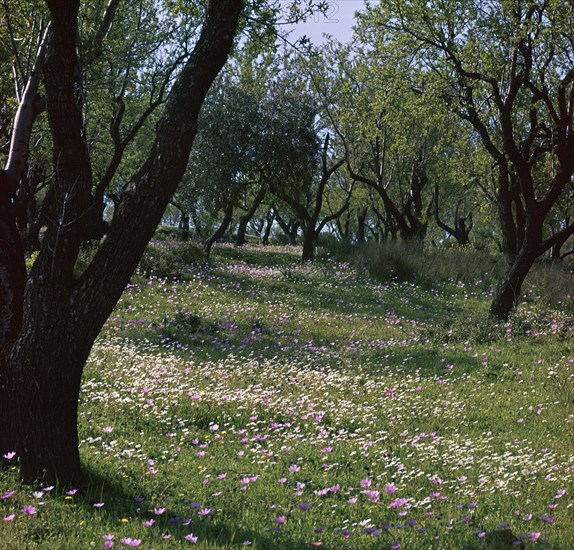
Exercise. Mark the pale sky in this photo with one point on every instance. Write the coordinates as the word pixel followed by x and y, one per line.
pixel 337 21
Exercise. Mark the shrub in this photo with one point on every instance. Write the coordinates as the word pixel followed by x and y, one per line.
pixel 170 260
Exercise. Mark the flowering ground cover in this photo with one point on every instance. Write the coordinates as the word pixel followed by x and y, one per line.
pixel 266 404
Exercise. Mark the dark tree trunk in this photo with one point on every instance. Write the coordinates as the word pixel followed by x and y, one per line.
pixel 361 220
pixel 41 364
pixel 269 219
pixel 509 288
pixel 184 226
pixel 246 218
pixel 219 232
pixel 309 242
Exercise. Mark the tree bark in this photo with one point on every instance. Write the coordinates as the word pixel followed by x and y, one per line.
pixel 509 288
pixel 246 218
pixel 40 371
pixel 219 232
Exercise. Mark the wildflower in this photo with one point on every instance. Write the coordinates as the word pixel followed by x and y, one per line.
pixel 398 503
pixel 560 493
pixel 29 510
pixel 534 536
pixel 10 455
pixel 131 542
pixel 148 523
pixel 10 517
pixel 280 520
pixel 390 488
pixel 373 496
pixel 304 506
pixel 191 538
pixel 158 511
pixel 98 504
pixel 206 512
pixel 365 482
pixel 7 494
pixel 108 429
pixel 108 541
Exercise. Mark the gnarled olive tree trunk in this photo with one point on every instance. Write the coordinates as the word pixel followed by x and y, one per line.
pixel 47 330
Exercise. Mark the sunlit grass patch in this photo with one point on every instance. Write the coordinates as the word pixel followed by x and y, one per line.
pixel 250 405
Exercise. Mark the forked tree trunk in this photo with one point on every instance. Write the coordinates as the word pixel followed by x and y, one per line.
pixel 44 349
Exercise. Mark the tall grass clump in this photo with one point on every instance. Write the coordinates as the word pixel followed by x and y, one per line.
pixel 408 261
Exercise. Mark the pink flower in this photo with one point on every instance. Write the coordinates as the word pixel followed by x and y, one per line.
pixel 108 429
pixel 535 536
pixel 365 482
pixel 158 511
pixel 7 494
pixel 10 517
pixel 398 503
pixel 10 455
pixel 131 542
pixel 294 468
pixel 191 538
pixel 390 488
pixel 280 520
pixel 148 523
pixel 560 493
pixel 29 510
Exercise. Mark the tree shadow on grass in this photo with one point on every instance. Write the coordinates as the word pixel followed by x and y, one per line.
pixel 121 507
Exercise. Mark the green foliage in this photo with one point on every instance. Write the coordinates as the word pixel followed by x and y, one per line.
pixel 170 259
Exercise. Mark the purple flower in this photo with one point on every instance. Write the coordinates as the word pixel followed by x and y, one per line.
pixel 10 517
pixel 398 503
pixel 280 519
pixel 373 496
pixel 390 488
pixel 206 512
pixel 7 494
pixel 304 506
pixel 534 536
pixel 98 504
pixel 29 510
pixel 560 493
pixel 10 455
pixel 148 523
pixel 131 542
pixel 191 538
pixel 158 511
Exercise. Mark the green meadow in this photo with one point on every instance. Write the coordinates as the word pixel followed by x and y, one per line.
pixel 256 402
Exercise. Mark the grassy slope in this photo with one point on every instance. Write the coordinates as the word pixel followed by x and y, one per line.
pixel 260 401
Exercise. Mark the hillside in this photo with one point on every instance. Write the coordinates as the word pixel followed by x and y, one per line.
pixel 257 402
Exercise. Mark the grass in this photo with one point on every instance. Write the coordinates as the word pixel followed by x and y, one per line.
pixel 259 403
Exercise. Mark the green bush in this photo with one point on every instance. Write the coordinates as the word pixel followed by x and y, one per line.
pixel 170 260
